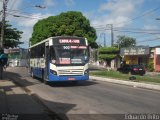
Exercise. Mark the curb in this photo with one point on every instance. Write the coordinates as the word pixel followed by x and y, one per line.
pixel 129 83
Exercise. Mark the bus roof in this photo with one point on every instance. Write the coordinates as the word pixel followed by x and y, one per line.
pixel 45 40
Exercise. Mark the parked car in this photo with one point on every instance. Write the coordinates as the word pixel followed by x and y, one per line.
pixel 133 69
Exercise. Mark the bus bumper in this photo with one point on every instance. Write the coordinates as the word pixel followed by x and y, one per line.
pixel 68 78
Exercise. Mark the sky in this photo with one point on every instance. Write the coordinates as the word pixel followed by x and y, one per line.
pixel 132 18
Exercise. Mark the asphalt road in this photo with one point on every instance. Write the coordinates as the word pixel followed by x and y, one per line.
pixel 90 97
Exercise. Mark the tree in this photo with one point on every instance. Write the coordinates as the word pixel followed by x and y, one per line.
pixel 70 23
pixel 125 41
pixel 108 53
pixel 11 36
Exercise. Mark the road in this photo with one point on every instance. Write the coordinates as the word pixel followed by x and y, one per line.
pixel 90 97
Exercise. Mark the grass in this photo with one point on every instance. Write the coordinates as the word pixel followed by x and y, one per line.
pixel 121 76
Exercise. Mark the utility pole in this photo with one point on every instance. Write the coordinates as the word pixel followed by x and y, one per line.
pixel 112 35
pixel 104 39
pixel 3 22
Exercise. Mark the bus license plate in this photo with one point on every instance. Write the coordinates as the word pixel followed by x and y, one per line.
pixel 71 79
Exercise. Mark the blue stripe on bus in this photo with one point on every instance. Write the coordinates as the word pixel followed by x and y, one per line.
pixel 66 78
pixel 37 72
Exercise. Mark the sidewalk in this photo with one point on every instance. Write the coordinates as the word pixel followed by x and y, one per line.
pixel 16 104
pixel 129 83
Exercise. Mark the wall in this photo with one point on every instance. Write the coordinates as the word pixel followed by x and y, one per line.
pixel 157 60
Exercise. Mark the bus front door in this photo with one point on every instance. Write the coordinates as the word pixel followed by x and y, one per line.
pixel 46 69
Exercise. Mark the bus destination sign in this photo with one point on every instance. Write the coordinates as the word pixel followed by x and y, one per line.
pixel 69 40
pixel 75 41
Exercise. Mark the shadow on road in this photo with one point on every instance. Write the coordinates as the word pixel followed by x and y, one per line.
pixel 16 103
pixel 23 81
pixel 71 83
pixel 18 79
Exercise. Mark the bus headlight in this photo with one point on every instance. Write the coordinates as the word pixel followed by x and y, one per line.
pixel 86 72
pixel 53 72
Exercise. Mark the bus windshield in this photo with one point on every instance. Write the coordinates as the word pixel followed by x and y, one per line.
pixel 70 55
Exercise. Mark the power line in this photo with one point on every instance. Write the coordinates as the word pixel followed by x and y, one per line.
pixel 134 31
pixel 135 18
pixel 143 35
pixel 29 6
pixel 19 13
pixel 22 13
pixel 138 32
pixel 142 15
pixel 137 29
pixel 25 16
pixel 149 40
pixel 13 2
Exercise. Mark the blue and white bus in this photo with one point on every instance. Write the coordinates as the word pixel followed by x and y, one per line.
pixel 60 59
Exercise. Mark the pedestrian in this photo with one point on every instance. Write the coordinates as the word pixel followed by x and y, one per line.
pixel 3 61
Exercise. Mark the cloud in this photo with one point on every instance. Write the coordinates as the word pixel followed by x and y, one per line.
pixel 32 19
pixel 14 4
pixel 151 27
pixel 69 2
pixel 27 32
pixel 50 3
pixel 26 21
pixel 26 25
pixel 106 6
pixel 117 12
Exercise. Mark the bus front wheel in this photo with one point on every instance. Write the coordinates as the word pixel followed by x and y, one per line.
pixel 45 81
pixel 43 78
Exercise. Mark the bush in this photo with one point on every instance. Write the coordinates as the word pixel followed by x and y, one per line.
pixel 150 67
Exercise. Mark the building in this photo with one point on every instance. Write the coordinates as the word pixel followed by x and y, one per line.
pixel 157 59
pixel 17 56
pixel 135 55
pixel 142 55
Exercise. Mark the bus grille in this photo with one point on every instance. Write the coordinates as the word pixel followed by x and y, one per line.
pixel 70 72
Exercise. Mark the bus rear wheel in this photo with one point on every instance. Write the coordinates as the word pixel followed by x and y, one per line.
pixel 44 81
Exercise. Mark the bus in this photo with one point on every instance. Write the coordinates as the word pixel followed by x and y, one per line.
pixel 60 59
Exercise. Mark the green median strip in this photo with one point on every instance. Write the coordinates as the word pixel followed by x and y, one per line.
pixel 121 76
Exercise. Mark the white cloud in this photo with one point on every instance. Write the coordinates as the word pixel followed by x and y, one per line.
pixel 31 20
pixel 106 6
pixel 150 27
pixel 27 32
pixel 117 12
pixel 26 22
pixel 26 25
pixel 69 2
pixel 50 3
pixel 14 4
